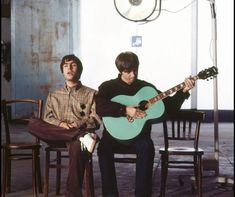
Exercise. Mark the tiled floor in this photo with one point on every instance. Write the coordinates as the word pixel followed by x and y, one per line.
pixel 22 185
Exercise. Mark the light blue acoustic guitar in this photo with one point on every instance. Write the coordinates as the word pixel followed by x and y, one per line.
pixel 145 99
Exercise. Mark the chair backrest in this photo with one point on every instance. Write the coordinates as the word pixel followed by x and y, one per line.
pixel 183 126
pixel 23 109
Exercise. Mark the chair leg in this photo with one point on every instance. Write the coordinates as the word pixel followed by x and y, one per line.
pixel 46 175
pixel 198 175
pixel 199 181
pixel 34 174
pixel 8 171
pixel 58 172
pixel 4 173
pixel 164 172
pixel 89 180
pixel 38 171
pixel 194 185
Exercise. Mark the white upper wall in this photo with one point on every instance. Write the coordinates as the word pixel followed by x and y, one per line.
pixel 225 51
pixel 165 56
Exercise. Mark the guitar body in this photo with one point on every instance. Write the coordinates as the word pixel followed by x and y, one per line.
pixel 120 128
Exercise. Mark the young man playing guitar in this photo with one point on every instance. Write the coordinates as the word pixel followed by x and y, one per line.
pixel 113 108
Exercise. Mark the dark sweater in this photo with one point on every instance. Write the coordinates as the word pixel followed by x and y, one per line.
pixel 109 89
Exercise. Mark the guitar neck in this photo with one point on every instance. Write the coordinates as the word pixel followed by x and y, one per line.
pixel 169 91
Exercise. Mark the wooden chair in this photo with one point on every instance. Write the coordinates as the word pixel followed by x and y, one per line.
pixel 59 153
pixel 14 124
pixel 125 156
pixel 181 138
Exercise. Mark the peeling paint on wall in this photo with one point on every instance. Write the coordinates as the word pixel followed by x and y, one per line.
pixel 41 37
pixel 61 29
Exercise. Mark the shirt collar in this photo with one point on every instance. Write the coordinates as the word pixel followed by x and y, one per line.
pixel 74 87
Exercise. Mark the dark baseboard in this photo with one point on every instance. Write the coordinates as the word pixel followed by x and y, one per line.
pixel 223 115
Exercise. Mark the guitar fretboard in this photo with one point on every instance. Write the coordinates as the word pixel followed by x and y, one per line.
pixel 169 92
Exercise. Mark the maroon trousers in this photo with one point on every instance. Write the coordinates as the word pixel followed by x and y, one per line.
pixel 57 136
pixel 77 161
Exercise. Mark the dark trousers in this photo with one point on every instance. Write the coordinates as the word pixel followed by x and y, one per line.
pixel 144 148
pixel 77 160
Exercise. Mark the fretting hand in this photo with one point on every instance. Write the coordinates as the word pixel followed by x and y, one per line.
pixel 189 84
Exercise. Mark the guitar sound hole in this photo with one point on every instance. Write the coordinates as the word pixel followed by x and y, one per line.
pixel 143 105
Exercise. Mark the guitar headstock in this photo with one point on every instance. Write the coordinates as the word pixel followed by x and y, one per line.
pixel 208 73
